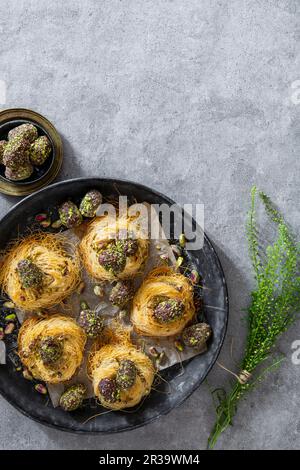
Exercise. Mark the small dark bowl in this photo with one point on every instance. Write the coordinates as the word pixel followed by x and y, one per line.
pixel 38 172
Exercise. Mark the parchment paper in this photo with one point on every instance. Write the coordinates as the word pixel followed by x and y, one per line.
pixel 160 252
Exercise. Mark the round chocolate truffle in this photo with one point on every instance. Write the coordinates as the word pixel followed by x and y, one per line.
pixel 90 203
pixel 50 350
pixel 16 153
pixel 121 293
pixel 21 173
pixel 73 397
pixel 69 214
pixel 109 390
pixel 128 245
pixel 91 322
pixel 40 150
pixel 112 259
pixel 195 336
pixel 29 273
pixel 24 131
pixel 168 310
pixel 126 374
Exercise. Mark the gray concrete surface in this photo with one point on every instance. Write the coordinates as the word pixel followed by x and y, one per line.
pixel 194 98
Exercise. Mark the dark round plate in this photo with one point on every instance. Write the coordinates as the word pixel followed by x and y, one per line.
pixel 38 172
pixel 20 392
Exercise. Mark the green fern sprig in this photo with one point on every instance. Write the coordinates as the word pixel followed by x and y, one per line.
pixel 275 302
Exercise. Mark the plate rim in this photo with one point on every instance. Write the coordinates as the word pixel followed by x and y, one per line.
pixel 198 382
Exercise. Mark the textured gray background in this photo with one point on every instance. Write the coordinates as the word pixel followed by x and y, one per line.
pixel 193 98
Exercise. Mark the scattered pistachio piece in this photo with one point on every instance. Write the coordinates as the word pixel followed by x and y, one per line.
pixel 8 304
pixel 9 328
pixel 27 375
pixel 182 240
pixel 40 388
pixel 99 291
pixel 41 217
pixel 158 247
pixel 11 316
pixel 84 305
pixel 194 277
pixel 1 333
pixel 161 359
pixel 18 369
pixel 179 261
pixel 153 352
pixel 45 223
pixel 179 345
pixel 56 224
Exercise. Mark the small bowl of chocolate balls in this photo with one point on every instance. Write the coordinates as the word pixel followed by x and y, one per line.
pixel 27 152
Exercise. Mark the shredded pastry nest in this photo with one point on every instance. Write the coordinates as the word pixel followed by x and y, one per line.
pixel 55 256
pixel 162 281
pixel 58 327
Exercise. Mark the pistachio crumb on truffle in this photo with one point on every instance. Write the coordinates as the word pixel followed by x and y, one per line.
pixel 16 153
pixel 25 131
pixel 112 258
pixel 73 397
pixel 195 336
pixel 69 214
pixel 91 322
pixel 109 390
pixel 129 246
pixel 126 374
pixel 19 174
pixel 29 273
pixel 40 150
pixel 90 203
pixel 121 293
pixel 50 350
pixel 167 310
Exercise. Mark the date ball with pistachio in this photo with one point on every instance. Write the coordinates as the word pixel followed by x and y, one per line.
pixel 16 153
pixel 73 397
pixel 109 390
pixel 21 173
pixel 91 322
pixel 195 336
pixel 128 246
pixel 167 310
pixel 29 273
pixel 90 203
pixel 50 350
pixel 121 293
pixel 69 214
pixel 112 258
pixel 40 150
pixel 25 131
pixel 3 144
pixel 126 374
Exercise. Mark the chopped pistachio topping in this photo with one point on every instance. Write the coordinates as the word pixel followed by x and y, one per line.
pixel 29 273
